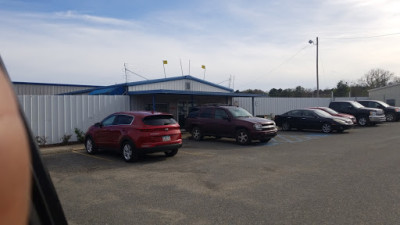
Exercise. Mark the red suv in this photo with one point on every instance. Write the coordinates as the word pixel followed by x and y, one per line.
pixel 134 134
pixel 231 122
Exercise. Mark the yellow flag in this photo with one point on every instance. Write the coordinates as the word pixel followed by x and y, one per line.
pixel 165 62
pixel 203 66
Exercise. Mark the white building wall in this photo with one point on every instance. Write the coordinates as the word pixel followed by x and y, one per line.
pixel 177 85
pixel 52 116
pixel 386 93
pixel 38 89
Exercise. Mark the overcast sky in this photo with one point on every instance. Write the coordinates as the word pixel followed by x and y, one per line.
pixel 263 44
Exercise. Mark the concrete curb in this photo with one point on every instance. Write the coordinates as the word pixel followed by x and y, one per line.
pixel 61 149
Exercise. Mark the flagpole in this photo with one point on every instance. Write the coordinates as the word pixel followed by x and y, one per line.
pixel 165 62
pixel 165 75
pixel 204 67
pixel 181 66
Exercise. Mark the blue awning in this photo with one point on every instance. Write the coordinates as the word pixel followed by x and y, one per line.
pixel 109 91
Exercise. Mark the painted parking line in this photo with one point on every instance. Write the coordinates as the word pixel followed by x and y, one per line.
pixel 280 139
pixel 92 156
pixel 197 154
pixel 288 139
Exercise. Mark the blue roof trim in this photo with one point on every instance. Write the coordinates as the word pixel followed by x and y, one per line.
pixel 96 87
pixel 117 90
pixel 78 92
pixel 187 77
pixel 53 84
pixel 229 94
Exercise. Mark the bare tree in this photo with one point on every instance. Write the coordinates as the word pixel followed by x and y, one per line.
pixel 377 78
pixel 396 80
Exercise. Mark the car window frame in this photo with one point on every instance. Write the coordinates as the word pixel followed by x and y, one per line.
pixel 242 112
pixel 226 115
pixel 203 112
pixel 308 114
pixel 147 118
pixel 292 113
pixel 113 122
pixel 116 120
pixel 343 106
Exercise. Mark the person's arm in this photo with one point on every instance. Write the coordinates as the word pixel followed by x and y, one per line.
pixel 14 158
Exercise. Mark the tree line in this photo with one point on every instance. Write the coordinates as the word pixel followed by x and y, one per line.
pixel 374 78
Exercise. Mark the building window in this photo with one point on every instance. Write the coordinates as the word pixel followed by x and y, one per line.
pixel 187 85
pixel 160 107
pixel 391 102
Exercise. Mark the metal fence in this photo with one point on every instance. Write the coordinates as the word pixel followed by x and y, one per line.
pixel 266 106
pixel 53 116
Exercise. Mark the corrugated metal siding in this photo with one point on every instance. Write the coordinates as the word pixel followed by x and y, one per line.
pixel 139 102
pixel 349 98
pixel 35 89
pixel 53 116
pixel 386 93
pixel 177 85
pixel 275 106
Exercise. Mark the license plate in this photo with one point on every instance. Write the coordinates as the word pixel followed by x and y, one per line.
pixel 166 138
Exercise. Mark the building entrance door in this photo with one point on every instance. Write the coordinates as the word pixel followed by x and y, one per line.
pixel 183 111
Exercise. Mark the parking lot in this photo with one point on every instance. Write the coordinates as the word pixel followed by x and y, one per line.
pixel 296 178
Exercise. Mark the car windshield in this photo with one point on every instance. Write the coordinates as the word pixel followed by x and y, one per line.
pixel 239 112
pixel 158 120
pixel 329 110
pixel 357 105
pixel 384 104
pixel 322 113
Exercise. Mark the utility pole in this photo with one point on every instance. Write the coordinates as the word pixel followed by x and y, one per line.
pixel 316 43
pixel 181 66
pixel 317 70
pixel 126 75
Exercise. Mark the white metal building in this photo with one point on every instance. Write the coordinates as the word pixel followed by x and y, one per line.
pixel 29 88
pixel 389 94
pixel 175 95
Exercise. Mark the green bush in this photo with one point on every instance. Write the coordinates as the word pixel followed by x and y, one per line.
pixel 65 139
pixel 80 135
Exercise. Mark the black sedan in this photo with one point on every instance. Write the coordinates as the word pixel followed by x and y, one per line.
pixel 312 119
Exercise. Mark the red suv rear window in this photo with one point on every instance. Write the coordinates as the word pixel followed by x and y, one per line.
pixel 159 120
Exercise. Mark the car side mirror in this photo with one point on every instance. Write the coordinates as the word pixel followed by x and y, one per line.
pixel 98 125
pixel 227 118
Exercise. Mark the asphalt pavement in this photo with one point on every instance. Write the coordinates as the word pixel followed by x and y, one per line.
pixel 53 149
pixel 297 178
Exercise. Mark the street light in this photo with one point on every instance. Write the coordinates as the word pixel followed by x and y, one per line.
pixel 316 43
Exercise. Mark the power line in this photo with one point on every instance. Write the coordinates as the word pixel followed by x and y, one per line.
pixel 364 37
pixel 126 69
pixel 277 67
